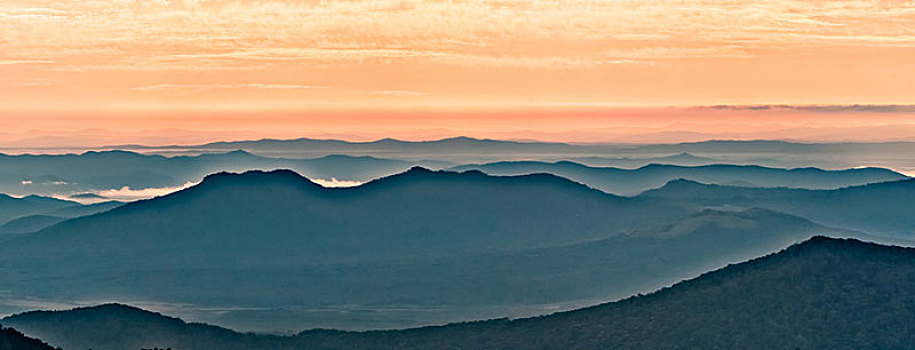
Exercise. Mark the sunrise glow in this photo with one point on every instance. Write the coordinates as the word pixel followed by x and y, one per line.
pixel 443 68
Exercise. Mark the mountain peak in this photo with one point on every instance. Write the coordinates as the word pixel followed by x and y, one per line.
pixel 681 182
pixel 346 157
pixel 238 152
pixel 254 174
pixel 418 173
pixel 87 195
pixel 839 245
pixel 109 310
pixel 110 153
pixel 37 198
pixel 460 139
pixel 111 307
pixel 419 170
pixel 256 177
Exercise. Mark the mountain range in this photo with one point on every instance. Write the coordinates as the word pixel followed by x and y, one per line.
pixel 113 170
pixel 455 145
pixel 822 293
pixel 466 244
pixel 880 208
pixel 463 144
pixel 462 150
pixel 683 158
pixel 634 181
pixel 30 213
pixel 87 174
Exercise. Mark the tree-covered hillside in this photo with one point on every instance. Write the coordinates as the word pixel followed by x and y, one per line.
pixel 821 294
pixel 11 339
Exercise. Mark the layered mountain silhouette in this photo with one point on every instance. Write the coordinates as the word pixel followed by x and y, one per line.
pixel 683 159
pixel 465 144
pixel 12 207
pixel 472 150
pixel 879 208
pixel 781 147
pixel 364 161
pixel 93 171
pixel 634 181
pixel 27 224
pixel 474 244
pixel 42 210
pixel 443 146
pixel 821 294
pixel 440 213
pixel 87 196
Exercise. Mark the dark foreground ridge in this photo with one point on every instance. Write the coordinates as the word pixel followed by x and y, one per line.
pixel 11 339
pixel 824 293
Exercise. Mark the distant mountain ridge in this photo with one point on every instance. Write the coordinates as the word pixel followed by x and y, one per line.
pixel 463 144
pixel 12 208
pixel 634 181
pixel 880 208
pixel 464 150
pixel 682 158
pixel 27 224
pixel 714 144
pixel 457 143
pixel 822 293
pixel 107 170
pixel 364 161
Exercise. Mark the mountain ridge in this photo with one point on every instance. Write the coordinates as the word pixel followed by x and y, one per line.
pixel 714 310
pixel 622 181
pixel 879 208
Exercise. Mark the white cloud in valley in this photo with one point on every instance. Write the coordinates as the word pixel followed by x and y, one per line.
pixel 128 194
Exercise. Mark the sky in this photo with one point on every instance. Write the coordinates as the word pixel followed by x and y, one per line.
pixel 185 71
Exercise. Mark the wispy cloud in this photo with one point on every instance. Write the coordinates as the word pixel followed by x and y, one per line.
pixel 127 194
pixel 34 83
pixel 432 29
pixel 37 11
pixel 612 46
pixel 333 182
pixel 257 86
pixel 15 62
pixel 856 108
pixel 398 93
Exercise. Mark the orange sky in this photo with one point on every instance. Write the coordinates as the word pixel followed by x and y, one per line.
pixel 562 70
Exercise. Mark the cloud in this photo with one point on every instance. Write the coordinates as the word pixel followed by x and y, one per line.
pixel 34 83
pixel 34 13
pixel 291 55
pixel 333 182
pixel 672 52
pixel 38 11
pixel 163 87
pixel 398 93
pixel 15 62
pixel 856 108
pixel 465 32
pixel 127 194
pixel 363 44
